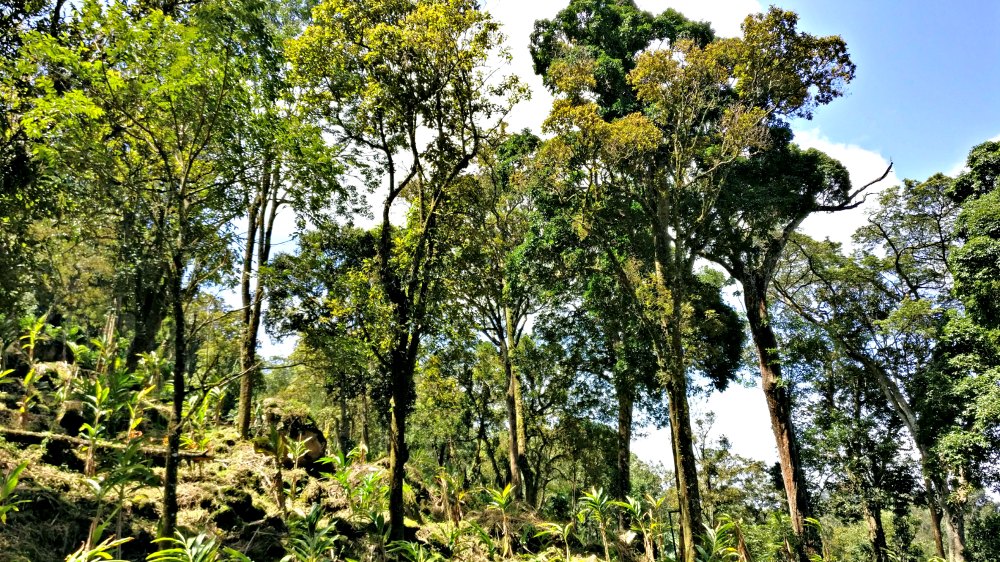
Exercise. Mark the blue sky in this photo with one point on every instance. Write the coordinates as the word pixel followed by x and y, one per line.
pixel 925 93
pixel 927 83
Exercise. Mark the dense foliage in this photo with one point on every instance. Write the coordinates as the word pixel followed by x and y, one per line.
pixel 482 319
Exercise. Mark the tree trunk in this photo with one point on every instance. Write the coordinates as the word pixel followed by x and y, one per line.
pixel 876 532
pixel 779 406
pixel 365 437
pixel 952 516
pixel 511 402
pixel 398 452
pixel 626 401
pixel 954 521
pixel 343 425
pixel 248 342
pixel 149 313
pixel 935 518
pixel 260 226
pixel 169 522
pixel 523 466
pixel 685 467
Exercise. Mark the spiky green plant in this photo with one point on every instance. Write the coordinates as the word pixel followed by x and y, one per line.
pixel 718 544
pixel 8 499
pixel 198 548
pixel 309 540
pixel 502 501
pixel 596 506
pixel 564 532
pixel 414 552
pixel 99 553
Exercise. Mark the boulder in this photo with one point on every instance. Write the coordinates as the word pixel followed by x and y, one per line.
pixel 294 424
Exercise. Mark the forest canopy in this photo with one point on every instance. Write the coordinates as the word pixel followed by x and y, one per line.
pixel 481 319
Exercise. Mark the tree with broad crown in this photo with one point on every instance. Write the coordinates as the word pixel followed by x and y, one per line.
pixel 704 107
pixel 405 82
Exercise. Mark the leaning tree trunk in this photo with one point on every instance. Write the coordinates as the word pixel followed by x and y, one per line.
pixel 779 406
pixel 952 515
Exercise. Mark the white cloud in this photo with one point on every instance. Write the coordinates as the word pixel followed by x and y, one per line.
pixel 960 166
pixel 864 166
pixel 740 415
pixel 724 15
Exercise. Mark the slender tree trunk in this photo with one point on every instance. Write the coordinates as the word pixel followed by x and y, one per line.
pixel 626 401
pixel 365 430
pixel 952 515
pixel 510 400
pixel 935 518
pixel 343 428
pixel 248 342
pixel 779 406
pixel 876 532
pixel 169 523
pixel 398 451
pixel 260 226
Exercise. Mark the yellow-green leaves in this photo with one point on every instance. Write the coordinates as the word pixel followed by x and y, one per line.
pixel 381 65
pixel 786 71
pixel 573 75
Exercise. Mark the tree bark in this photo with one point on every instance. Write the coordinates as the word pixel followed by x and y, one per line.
pixel 260 226
pixel 510 400
pixel 876 532
pixel 935 518
pixel 626 402
pixel 401 391
pixel 169 522
pixel 779 407
pixel 149 313
pixel 685 467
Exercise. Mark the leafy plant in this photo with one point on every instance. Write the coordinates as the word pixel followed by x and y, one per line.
pixel 414 552
pixel 297 449
pixel 372 493
pixel 199 548
pixel 309 541
pixel 503 501
pixel 29 341
pixel 718 544
pixel 8 482
pixel 564 532
pixel 101 552
pixel 596 506
pixel 644 518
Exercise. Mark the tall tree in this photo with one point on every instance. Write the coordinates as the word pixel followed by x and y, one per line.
pixel 489 276
pixel 404 82
pixel 282 162
pixel 704 108
pixel 765 200
pixel 164 93
pixel 888 308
